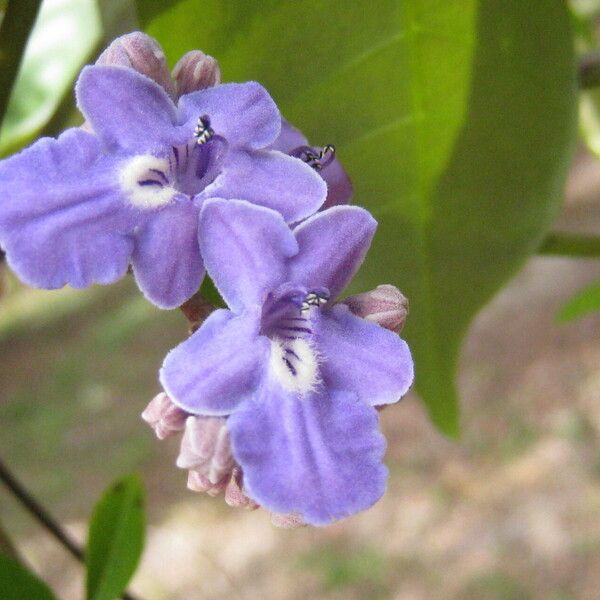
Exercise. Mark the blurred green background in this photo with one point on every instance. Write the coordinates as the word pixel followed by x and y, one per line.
pixel 456 121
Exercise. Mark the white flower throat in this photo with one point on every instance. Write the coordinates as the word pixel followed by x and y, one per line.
pixel 150 181
pixel 287 322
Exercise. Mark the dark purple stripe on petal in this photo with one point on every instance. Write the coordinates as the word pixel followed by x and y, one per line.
pixel 151 182
pixel 160 174
pixel 300 329
pixel 290 351
pixel 290 366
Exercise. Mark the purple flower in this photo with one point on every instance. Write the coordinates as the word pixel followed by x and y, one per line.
pixel 80 209
pixel 323 160
pixel 195 71
pixel 297 376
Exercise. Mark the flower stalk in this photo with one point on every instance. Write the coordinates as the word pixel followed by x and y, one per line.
pixel 33 506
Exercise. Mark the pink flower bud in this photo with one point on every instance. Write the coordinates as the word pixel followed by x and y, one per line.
pixel 200 483
pixel 164 417
pixel 234 496
pixel 142 53
pixel 287 521
pixel 195 71
pixel 205 448
pixel 385 305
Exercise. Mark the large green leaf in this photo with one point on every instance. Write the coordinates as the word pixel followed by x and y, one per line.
pixel 583 19
pixel 116 539
pixel 16 583
pixel 65 34
pixel 453 118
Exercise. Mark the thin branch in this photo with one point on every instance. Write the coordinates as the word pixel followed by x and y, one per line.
pixel 44 517
pixel 566 244
pixel 18 20
pixel 39 512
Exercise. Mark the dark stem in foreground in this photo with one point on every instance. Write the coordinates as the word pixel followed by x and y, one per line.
pixel 43 517
pixel 589 70
pixel 18 20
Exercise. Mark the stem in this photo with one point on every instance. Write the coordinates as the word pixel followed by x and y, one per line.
pixel 196 310
pixel 589 70
pixel 566 244
pixel 38 511
pixel 14 32
pixel 42 515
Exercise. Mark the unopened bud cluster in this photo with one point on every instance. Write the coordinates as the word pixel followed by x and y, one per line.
pixel 194 71
pixel 205 452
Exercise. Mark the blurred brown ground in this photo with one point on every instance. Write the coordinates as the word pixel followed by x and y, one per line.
pixel 510 512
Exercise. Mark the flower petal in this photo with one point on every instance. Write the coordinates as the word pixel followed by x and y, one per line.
pixel 243 113
pixel 62 217
pixel 166 260
pixel 319 455
pixel 333 245
pixel 363 357
pixel 127 110
pixel 245 248
pixel 339 186
pixel 289 138
pixel 271 179
pixel 218 367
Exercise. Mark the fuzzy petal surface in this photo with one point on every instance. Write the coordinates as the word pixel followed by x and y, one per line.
pixel 128 111
pixel 339 186
pixel 166 260
pixel 243 113
pixel 62 216
pixel 245 248
pixel 218 367
pixel 274 180
pixel 361 356
pixel 318 455
pixel 332 246
pixel 289 138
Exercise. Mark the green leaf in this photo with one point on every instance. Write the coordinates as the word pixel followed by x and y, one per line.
pixel 116 539
pixel 583 303
pixel 16 583
pixel 65 34
pixel 586 40
pixel 17 20
pixel 455 121
pixel 210 293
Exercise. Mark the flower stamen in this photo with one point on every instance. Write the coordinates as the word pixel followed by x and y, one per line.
pixel 318 160
pixel 315 298
pixel 203 132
